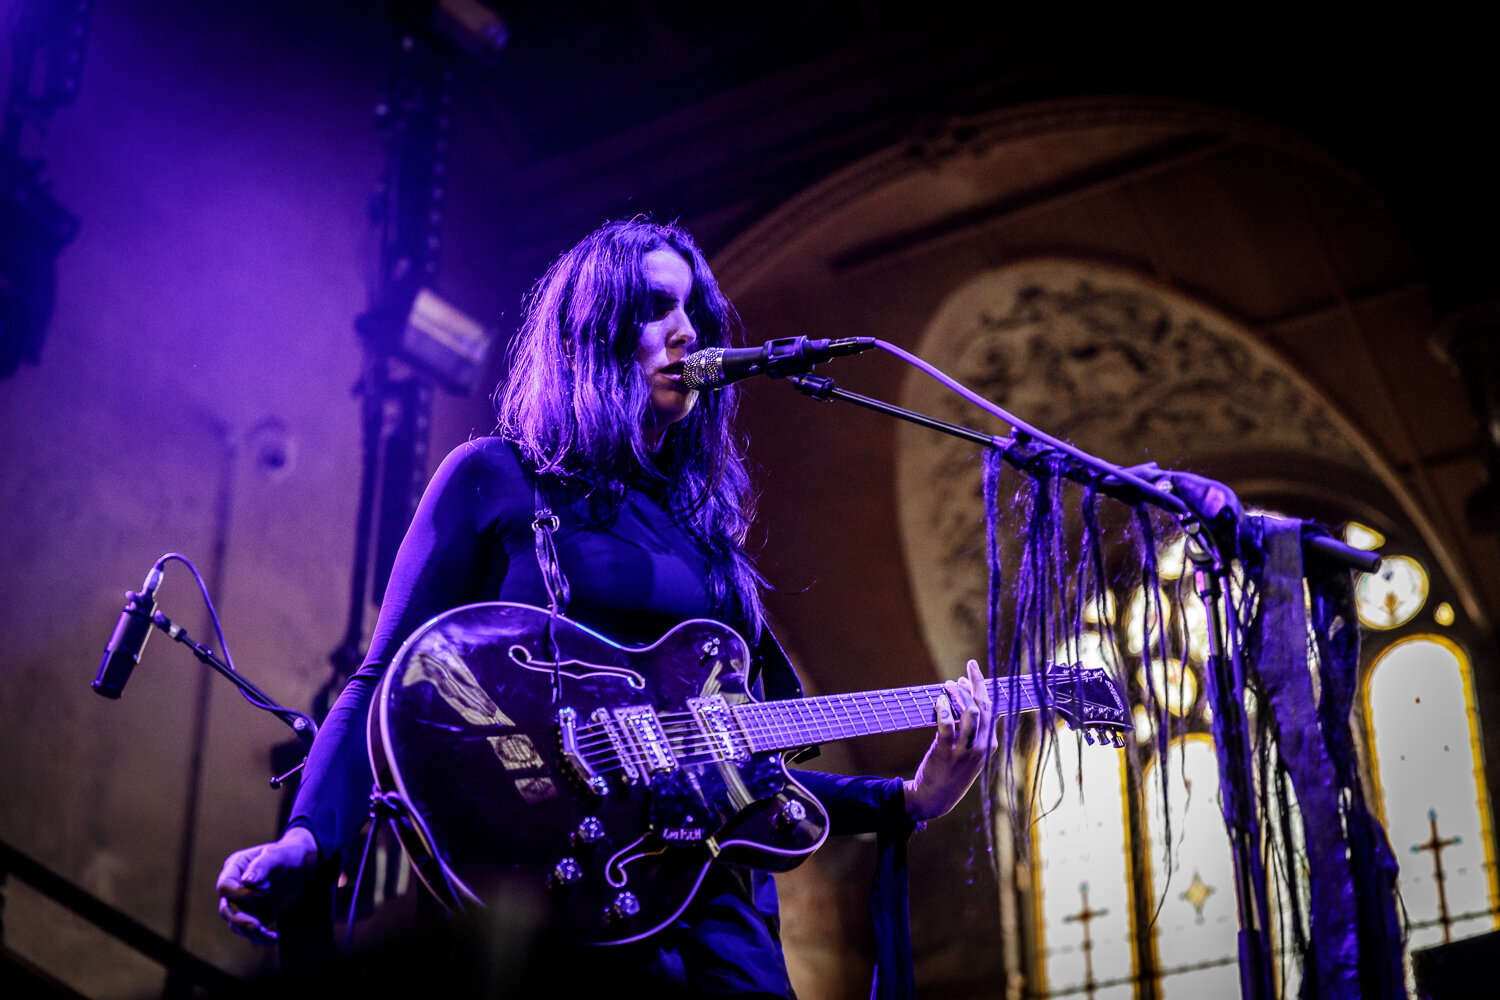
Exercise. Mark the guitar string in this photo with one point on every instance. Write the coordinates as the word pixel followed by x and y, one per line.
pixel 768 717
pixel 810 717
pixel 906 708
pixel 785 724
pixel 689 733
pixel 757 723
pixel 682 754
pixel 683 730
pixel 689 743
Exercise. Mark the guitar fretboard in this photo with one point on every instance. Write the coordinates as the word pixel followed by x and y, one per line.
pixel 784 725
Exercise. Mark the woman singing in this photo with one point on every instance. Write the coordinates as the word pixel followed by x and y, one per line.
pixel 653 498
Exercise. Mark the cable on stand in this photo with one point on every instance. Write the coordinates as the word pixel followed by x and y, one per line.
pixel 140 615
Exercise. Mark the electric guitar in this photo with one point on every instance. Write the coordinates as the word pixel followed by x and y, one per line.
pixel 518 751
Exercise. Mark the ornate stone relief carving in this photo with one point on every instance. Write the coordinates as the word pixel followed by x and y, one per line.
pixel 1099 357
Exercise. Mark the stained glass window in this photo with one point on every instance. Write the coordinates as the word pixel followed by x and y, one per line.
pixel 1424 752
pixel 1084 891
pixel 1393 594
pixel 1192 884
pixel 1427 765
pixel 1090 854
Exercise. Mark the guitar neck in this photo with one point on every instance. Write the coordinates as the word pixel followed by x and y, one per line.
pixel 800 722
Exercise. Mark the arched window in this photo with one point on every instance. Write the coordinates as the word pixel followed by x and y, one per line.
pixel 1096 887
pixel 1085 922
pixel 1104 870
pixel 1191 887
pixel 1428 769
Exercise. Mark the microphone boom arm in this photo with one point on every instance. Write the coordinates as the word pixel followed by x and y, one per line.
pixel 1127 485
pixel 301 723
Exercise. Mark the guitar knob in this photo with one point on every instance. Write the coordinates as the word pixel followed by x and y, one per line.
pixel 791 814
pixel 565 872
pixel 590 831
pixel 625 906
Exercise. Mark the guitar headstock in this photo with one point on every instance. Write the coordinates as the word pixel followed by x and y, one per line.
pixel 1088 699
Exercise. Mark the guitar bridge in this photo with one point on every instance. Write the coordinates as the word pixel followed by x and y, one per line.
pixel 567 731
pixel 567 736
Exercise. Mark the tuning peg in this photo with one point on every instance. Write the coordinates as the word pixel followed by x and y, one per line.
pixel 1118 739
pixel 1088 735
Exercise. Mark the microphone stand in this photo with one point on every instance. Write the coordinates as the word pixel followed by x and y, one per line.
pixel 300 723
pixel 1211 516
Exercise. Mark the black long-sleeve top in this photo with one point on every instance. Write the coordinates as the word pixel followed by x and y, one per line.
pixel 631 578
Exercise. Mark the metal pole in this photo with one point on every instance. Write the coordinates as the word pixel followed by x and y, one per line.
pixel 1225 693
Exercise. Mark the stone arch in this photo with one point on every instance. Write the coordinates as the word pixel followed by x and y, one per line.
pixel 1102 357
pixel 1111 199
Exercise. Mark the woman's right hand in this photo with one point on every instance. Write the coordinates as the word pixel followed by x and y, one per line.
pixel 256 884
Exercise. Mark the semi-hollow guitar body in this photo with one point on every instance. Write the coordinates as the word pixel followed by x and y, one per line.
pixel 518 749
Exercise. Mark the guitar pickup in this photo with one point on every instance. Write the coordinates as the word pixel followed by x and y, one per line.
pixel 601 718
pixel 644 734
pixel 717 723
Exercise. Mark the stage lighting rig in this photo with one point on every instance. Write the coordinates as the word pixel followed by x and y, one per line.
pixel 45 56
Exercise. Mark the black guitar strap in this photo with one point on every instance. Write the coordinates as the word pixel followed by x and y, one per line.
pixel 544 524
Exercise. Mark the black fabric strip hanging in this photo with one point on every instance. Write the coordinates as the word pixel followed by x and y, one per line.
pixel 1355 947
pixel 1300 668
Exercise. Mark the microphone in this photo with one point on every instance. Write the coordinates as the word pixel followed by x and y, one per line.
pixel 716 367
pixel 132 630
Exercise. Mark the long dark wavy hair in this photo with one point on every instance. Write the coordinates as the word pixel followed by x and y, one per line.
pixel 574 398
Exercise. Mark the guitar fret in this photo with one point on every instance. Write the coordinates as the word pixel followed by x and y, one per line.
pixel 845 718
pixel 781 725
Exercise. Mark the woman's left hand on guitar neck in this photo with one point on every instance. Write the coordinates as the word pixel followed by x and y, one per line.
pixel 966 730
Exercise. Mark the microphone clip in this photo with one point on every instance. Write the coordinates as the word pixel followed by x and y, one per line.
pixel 788 356
pixel 142 604
pixel 796 355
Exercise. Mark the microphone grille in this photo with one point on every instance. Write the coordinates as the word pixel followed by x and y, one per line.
pixel 704 369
